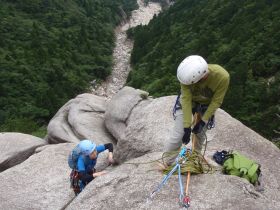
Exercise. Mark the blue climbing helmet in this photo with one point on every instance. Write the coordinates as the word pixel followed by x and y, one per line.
pixel 85 147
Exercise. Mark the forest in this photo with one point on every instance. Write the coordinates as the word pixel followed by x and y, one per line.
pixel 50 51
pixel 242 36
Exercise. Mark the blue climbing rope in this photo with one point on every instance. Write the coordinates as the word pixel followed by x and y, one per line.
pixel 180 157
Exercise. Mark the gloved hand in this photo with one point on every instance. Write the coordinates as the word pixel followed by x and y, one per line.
pixel 198 127
pixel 186 137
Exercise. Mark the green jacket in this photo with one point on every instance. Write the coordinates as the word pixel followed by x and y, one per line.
pixel 208 92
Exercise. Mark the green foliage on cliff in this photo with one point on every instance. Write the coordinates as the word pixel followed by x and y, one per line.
pixel 50 50
pixel 242 36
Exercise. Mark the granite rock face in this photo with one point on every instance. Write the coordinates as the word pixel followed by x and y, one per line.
pixel 120 108
pixel 80 118
pixel 145 129
pixel 141 129
pixel 129 186
pixel 40 182
pixel 16 148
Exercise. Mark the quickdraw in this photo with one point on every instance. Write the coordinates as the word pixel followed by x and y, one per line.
pixel 211 122
pixel 184 200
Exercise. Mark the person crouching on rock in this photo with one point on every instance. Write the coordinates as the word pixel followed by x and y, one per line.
pixel 203 88
pixel 82 159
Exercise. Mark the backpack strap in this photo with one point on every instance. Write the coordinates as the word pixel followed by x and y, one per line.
pixel 253 169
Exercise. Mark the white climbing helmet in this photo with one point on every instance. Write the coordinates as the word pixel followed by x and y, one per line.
pixel 87 147
pixel 192 69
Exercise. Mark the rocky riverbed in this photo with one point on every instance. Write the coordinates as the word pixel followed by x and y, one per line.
pixel 122 51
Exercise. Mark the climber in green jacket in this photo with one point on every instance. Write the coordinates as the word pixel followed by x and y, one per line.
pixel 203 88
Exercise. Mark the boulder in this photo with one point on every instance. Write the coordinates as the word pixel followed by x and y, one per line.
pixel 16 148
pixel 147 128
pixel 40 182
pixel 119 110
pixel 80 118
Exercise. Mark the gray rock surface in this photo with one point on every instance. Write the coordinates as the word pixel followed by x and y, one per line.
pixel 147 128
pixel 231 134
pixel 129 185
pixel 40 182
pixel 80 118
pixel 16 148
pixel 119 109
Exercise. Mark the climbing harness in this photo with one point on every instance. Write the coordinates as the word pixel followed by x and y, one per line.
pixel 75 181
pixel 201 109
pixel 177 105
pixel 198 108
pixel 184 201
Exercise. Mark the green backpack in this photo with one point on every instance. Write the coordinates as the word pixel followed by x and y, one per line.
pixel 241 166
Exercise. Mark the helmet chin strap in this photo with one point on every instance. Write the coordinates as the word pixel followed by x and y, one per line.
pixel 204 78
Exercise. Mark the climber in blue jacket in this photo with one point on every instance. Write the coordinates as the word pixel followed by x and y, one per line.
pixel 83 159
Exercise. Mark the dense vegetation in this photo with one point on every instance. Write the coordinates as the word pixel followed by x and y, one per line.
pixel 50 50
pixel 242 35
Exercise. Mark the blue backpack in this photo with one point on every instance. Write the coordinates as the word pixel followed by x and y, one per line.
pixel 73 157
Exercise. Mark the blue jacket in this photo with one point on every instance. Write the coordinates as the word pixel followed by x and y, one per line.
pixel 85 164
